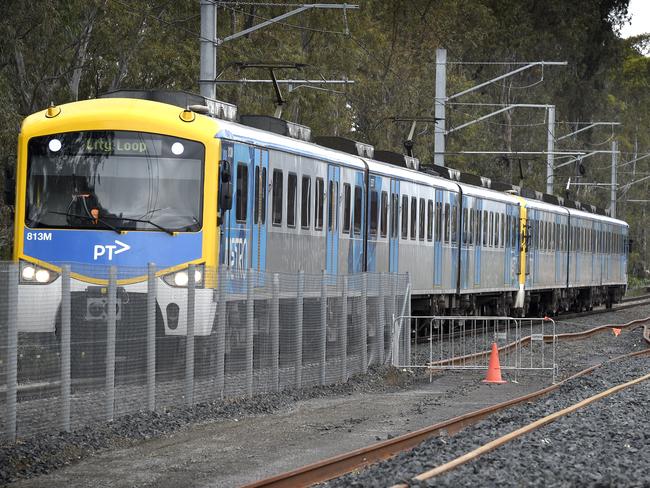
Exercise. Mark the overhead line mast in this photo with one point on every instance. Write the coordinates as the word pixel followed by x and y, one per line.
pixel 210 41
pixel 441 100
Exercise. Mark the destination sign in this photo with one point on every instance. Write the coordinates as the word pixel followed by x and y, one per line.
pixel 121 146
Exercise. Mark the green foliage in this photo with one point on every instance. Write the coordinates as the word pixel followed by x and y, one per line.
pixel 55 50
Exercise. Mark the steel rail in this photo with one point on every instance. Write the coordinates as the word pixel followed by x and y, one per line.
pixel 490 446
pixel 344 463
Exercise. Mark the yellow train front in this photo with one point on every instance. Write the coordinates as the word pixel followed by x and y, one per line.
pixel 121 182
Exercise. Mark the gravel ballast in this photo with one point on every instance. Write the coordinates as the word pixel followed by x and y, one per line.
pixel 604 444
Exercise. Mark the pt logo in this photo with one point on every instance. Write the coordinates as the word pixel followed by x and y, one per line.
pixel 109 249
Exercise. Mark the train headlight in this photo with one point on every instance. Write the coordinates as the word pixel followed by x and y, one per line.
pixel 54 145
pixel 28 273
pixel 33 274
pixel 181 278
pixel 42 276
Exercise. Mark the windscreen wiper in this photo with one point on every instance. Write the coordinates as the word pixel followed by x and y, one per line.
pixel 145 221
pixel 89 217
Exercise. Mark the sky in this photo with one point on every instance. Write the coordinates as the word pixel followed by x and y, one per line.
pixel 640 12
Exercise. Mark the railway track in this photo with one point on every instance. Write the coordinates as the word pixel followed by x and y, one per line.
pixel 485 448
pixel 360 458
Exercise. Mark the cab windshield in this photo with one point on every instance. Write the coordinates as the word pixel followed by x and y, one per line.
pixel 114 180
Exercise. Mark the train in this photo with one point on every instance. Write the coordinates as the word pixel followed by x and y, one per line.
pixel 176 179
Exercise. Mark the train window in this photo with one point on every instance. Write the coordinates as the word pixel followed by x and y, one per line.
pixel 506 225
pixel 374 213
pixel 490 229
pixel 394 215
pixel 465 236
pixel 422 220
pixel 333 207
pixel 347 195
pixel 592 238
pixel 414 216
pixel 553 243
pixel 405 217
pixel 383 228
pixel 429 220
pixel 438 224
pixel 581 239
pixel 260 195
pixel 292 186
pixel 479 228
pixel 319 196
pixel 572 238
pixel 242 192
pixel 358 210
pixel 502 233
pixel 453 219
pixel 305 207
pixel 277 197
pixel 484 227
pixel 533 234
pixel 446 226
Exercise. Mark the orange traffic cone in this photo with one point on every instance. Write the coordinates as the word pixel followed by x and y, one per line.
pixel 494 368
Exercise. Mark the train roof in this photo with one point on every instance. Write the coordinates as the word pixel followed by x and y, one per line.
pixel 234 131
pixel 251 135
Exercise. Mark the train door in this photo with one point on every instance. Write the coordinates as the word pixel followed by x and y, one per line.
pixel 227 154
pixel 453 238
pixel 237 225
pixel 598 268
pixel 510 246
pixel 477 241
pixel 393 244
pixel 603 253
pixel 258 199
pixel 559 254
pixel 608 247
pixel 438 238
pixel 592 250
pixel 332 254
pixel 464 241
pixel 531 250
pixel 237 243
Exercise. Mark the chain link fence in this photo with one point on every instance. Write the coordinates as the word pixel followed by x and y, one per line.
pixel 74 353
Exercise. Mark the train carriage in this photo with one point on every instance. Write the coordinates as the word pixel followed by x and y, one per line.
pixel 139 177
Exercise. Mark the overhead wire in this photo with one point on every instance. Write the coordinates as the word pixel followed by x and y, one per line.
pixel 277 22
pixel 175 25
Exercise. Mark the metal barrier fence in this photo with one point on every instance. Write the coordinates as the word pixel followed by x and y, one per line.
pixel 73 353
pixel 464 342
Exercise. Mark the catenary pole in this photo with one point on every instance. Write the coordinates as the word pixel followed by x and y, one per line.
pixel 208 63
pixel 550 148
pixel 439 110
pixel 612 208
